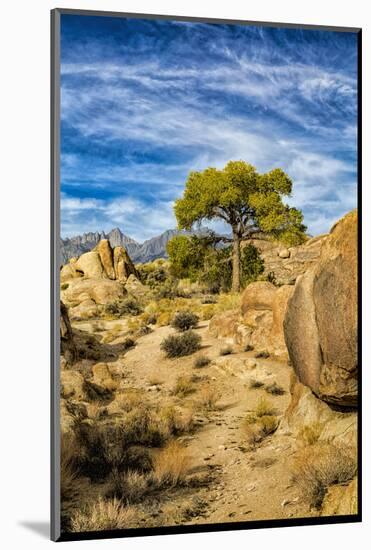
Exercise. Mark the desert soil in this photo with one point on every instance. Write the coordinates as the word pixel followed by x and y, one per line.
pixel 243 484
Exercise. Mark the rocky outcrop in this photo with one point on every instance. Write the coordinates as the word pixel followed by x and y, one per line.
pixel 258 323
pixel 86 296
pixel 68 347
pixel 340 500
pixel 97 278
pixel 123 266
pixel 320 324
pixel 306 413
pixel 284 265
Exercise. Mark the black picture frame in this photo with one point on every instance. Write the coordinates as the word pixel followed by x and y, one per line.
pixel 56 534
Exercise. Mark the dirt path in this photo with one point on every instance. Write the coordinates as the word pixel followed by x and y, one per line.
pixel 246 484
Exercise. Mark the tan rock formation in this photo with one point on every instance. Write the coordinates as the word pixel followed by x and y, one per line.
pixel 340 500
pixel 286 264
pixel 307 412
pixel 68 347
pixel 259 321
pixel 123 265
pixel 105 252
pixel 90 265
pixel 320 325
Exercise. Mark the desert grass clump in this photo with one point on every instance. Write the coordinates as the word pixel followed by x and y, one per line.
pixel 183 386
pixel 310 433
pixel 318 466
pixel 208 398
pixel 201 361
pixel 264 408
pixel 256 384
pixel 260 423
pixel 180 345
pixel 274 389
pixel 227 350
pixel 103 515
pixel 258 428
pixel 176 421
pixel 184 320
pixel 170 465
pixel 129 487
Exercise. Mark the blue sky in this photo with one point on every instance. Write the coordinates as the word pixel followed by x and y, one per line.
pixel 144 102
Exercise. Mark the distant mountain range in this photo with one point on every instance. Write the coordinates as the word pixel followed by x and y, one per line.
pixel 139 253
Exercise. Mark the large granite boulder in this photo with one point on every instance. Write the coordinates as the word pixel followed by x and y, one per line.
pixel 85 297
pixel 90 265
pixel 258 322
pixel 320 325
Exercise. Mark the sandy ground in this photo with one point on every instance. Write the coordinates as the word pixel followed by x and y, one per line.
pixel 243 484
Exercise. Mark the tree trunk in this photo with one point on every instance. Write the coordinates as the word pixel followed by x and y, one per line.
pixel 236 263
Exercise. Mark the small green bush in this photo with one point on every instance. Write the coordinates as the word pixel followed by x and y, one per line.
pixel 184 320
pixel 183 344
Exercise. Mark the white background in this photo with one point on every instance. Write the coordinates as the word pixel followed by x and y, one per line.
pixel 24 271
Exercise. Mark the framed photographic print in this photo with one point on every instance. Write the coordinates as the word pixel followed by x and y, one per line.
pixel 206 209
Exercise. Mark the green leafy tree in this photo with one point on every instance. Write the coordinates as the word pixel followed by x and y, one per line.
pixel 186 256
pixel 252 264
pixel 251 203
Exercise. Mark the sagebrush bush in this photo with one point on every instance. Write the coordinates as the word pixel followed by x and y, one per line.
pixel 103 515
pixel 249 347
pixel 202 361
pixel 258 428
pixel 318 466
pixel 274 389
pixel 184 320
pixel 180 345
pixel 310 433
pixel 130 306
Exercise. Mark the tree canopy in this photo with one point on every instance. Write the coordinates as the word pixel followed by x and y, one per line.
pixel 251 203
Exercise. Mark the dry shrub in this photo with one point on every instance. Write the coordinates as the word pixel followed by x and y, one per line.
pixel 258 428
pixel 184 320
pixel 310 433
pixel 170 465
pixel 130 487
pixel 274 389
pixel 129 399
pixel 264 408
pixel 176 421
pixel 202 361
pixel 103 515
pixel 208 397
pixel 184 386
pixel 72 486
pixel 180 345
pixel 318 466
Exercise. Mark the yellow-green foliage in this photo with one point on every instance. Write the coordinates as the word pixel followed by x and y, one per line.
pixel 184 386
